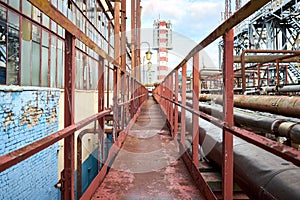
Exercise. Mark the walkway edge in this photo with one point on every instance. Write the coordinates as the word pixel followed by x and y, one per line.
pixel 114 150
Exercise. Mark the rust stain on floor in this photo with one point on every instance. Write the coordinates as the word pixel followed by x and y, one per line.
pixel 148 166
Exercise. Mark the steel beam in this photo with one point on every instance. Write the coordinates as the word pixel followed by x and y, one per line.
pixel 243 68
pixel 100 108
pixel 228 80
pixel 195 119
pixel 265 58
pixel 133 37
pixel 69 99
pixel 183 100
pixel 282 105
pixel 176 107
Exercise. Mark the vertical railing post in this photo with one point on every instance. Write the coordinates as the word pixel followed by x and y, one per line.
pixel 277 72
pixel 171 86
pixel 176 107
pixel 227 168
pixel 268 76
pixel 183 100
pixel 196 107
pixel 286 75
pixel 69 99
pixel 258 75
pixel 243 72
pixel 115 104
pixel 108 86
pixel 122 108
pixel 100 108
pixel 133 37
pixel 117 52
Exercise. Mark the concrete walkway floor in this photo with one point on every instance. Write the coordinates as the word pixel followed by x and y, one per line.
pixel 148 165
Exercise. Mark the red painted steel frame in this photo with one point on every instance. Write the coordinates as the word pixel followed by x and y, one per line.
pixel 69 158
pixel 195 107
pixel 243 67
pixel 100 106
pixel 288 153
pixel 12 158
pixel 228 79
pixel 176 107
pixel 183 100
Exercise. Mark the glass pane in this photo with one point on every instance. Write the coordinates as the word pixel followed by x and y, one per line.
pixel 45 20
pixel 2 45
pixel 36 56
pixel 45 56
pixel 45 38
pixel 15 4
pixel 53 62
pixel 13 49
pixel 35 64
pixel 26 7
pixel 25 62
pixel 26 52
pixel 53 26
pixel 78 70
pixel 45 66
pixel 36 14
pixel 60 64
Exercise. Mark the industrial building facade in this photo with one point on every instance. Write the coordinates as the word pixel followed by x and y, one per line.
pixel 32 63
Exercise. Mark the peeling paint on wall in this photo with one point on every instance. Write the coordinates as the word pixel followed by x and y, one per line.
pixel 28 114
pixel 31 116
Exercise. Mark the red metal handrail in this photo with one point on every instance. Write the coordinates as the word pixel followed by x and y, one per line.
pixel 283 151
pixel 14 157
pixel 164 95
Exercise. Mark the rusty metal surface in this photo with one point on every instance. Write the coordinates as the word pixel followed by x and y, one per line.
pixel 243 68
pixel 23 153
pixel 227 151
pixel 195 153
pixel 148 165
pixel 283 151
pixel 68 186
pixel 282 105
pixel 183 100
pixel 259 173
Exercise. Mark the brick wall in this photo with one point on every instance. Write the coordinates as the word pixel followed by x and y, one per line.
pixel 26 115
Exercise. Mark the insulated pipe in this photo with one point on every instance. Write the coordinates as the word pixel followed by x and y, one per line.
pixel 276 125
pixel 282 105
pixel 262 175
pixel 286 88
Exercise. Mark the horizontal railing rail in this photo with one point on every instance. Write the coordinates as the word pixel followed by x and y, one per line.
pixel 283 151
pixel 10 159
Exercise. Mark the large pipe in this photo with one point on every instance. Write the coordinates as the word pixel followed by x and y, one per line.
pixel 276 125
pixel 260 174
pixel 282 105
pixel 265 58
pixel 285 88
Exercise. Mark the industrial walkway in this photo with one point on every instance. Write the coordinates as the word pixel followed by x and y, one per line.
pixel 148 165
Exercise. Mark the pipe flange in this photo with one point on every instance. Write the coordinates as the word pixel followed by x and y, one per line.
pixel 285 128
pixel 275 126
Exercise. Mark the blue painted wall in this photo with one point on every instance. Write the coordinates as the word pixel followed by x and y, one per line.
pixel 89 171
pixel 26 115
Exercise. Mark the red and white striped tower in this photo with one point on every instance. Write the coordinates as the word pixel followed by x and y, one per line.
pixel 162 43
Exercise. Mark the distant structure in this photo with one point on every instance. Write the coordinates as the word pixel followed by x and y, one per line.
pixel 162 42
